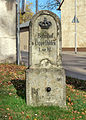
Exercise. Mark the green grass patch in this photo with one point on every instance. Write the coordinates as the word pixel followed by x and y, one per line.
pixel 13 98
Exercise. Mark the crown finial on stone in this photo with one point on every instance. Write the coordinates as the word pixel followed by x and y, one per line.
pixel 45 24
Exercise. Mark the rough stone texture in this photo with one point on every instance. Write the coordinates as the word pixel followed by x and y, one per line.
pixel 7 31
pixel 68 28
pixel 46 71
pixel 37 82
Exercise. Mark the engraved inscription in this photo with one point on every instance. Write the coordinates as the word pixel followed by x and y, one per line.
pixel 45 43
pixel 49 49
pixel 45 35
pixel 35 95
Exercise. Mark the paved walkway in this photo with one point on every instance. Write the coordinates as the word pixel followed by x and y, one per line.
pixel 75 64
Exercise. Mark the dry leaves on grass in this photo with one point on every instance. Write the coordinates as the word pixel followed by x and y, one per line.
pixel 10 118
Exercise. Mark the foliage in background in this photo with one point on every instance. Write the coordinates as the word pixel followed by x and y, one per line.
pixel 28 15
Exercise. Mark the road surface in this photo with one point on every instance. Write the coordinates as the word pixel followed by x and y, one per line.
pixel 74 64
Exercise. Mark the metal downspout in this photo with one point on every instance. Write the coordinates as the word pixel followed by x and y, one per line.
pixel 18 32
pixel 75 27
pixel 36 6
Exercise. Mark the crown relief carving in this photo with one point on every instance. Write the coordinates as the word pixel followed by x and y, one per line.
pixel 45 24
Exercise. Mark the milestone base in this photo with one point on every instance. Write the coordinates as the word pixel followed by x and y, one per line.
pixel 45 87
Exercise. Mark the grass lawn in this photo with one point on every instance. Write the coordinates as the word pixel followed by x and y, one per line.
pixel 13 105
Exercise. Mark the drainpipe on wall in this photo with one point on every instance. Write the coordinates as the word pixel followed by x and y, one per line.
pixel 36 6
pixel 18 32
pixel 75 26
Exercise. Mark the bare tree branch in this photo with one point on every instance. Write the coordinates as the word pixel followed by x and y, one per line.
pixel 51 4
pixel 59 8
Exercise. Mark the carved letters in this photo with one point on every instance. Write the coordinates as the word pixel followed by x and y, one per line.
pixel 45 40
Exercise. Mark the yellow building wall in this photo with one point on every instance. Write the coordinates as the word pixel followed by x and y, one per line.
pixel 24 46
pixel 24 39
pixel 68 28
pixel 81 27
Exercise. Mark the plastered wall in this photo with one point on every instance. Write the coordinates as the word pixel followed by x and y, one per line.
pixel 7 31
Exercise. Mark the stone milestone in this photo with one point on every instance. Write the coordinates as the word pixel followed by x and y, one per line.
pixel 45 78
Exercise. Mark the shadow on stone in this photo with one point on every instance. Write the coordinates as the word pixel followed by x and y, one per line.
pixel 20 86
pixel 78 84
